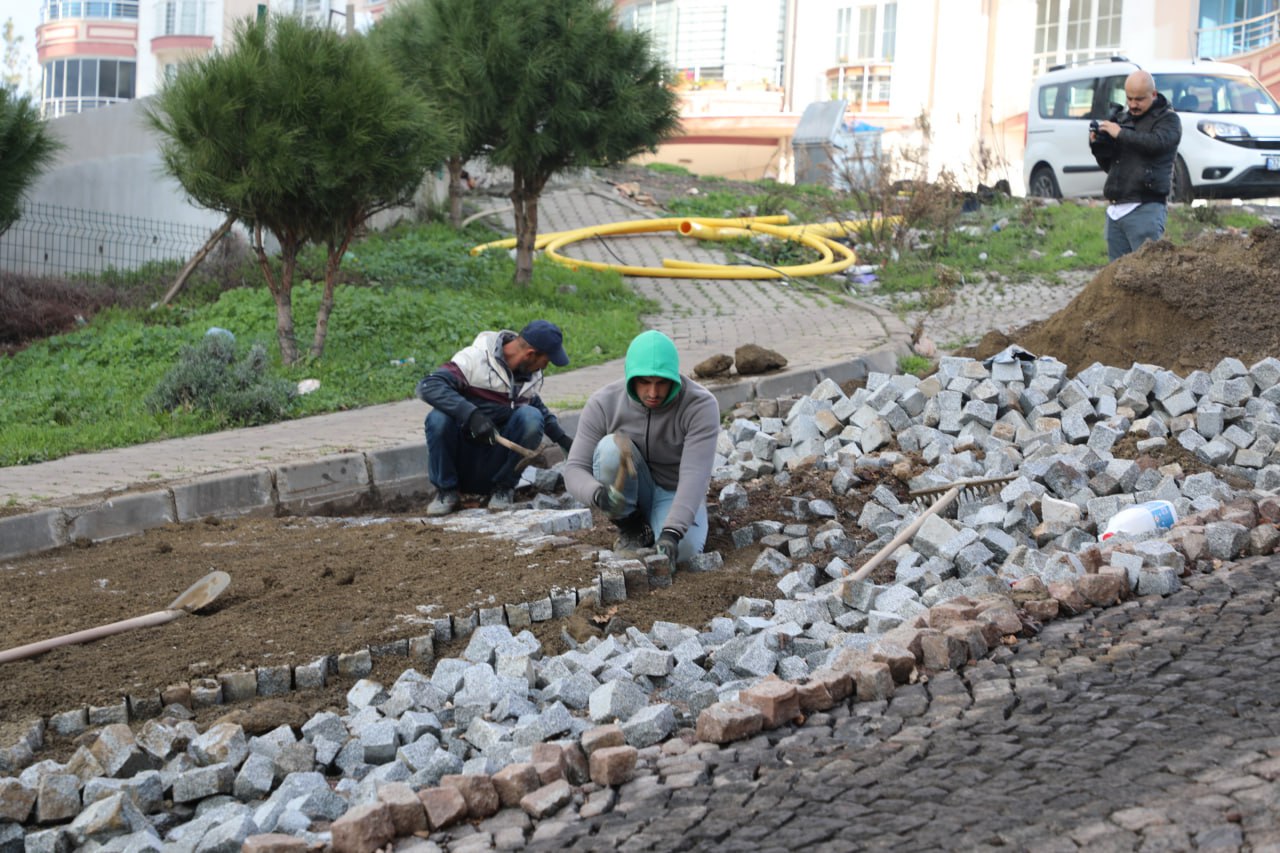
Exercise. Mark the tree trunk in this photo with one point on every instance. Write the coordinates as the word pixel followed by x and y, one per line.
pixel 332 263
pixel 454 165
pixel 281 291
pixel 524 203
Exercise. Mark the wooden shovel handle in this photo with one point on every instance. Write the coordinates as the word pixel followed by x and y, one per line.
pixel 906 533
pixel 160 617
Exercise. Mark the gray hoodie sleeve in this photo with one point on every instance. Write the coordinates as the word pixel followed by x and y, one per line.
pixel 697 457
pixel 578 477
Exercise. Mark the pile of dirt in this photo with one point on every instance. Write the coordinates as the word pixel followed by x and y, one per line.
pixel 1182 307
pixel 658 188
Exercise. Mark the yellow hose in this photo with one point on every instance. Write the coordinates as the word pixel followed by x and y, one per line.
pixel 818 237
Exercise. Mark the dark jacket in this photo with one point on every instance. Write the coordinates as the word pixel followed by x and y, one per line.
pixel 1139 161
pixel 477 377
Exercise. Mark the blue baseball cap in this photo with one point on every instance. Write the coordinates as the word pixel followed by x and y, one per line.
pixel 546 337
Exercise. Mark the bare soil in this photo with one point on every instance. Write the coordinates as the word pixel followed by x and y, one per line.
pixel 307 587
pixel 1182 307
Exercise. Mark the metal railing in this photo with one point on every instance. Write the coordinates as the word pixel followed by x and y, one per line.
pixel 53 10
pixel 1238 37
pixel 59 107
pixel 50 240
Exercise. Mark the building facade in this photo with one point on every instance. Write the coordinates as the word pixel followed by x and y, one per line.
pixel 746 69
pixel 94 53
pixel 963 68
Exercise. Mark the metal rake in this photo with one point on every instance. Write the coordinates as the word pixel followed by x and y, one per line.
pixel 970 490
pixel 938 499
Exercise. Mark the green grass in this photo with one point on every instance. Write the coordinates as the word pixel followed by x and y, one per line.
pixel 85 391
pixel 917 365
pixel 1032 241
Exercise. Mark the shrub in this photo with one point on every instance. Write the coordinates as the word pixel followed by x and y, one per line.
pixel 213 377
pixel 34 308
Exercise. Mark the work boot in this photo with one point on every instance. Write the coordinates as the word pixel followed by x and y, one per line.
pixel 445 502
pixel 502 498
pixel 634 534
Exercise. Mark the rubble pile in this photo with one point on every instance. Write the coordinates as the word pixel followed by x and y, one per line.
pixel 505 725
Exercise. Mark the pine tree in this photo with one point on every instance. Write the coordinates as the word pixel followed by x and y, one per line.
pixel 301 132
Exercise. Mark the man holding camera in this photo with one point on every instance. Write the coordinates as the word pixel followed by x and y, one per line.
pixel 1136 149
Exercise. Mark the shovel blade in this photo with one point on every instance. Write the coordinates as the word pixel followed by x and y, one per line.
pixel 202 592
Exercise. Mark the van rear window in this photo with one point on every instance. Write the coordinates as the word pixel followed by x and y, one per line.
pixel 1067 100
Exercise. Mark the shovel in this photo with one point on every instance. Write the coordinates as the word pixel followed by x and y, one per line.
pixel 200 594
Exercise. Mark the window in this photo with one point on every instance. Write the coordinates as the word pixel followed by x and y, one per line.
pixel 1205 93
pixel 181 17
pixel 844 19
pixel 315 11
pixel 74 85
pixel 55 9
pixel 889 31
pixel 1073 31
pixel 866 36
pixel 866 32
pixel 1070 100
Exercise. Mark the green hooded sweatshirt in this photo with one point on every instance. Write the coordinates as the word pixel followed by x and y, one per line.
pixel 653 354
pixel 677 440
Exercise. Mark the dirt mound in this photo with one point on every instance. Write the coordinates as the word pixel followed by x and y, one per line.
pixel 1180 307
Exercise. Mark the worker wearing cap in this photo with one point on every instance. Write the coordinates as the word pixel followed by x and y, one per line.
pixel 489 388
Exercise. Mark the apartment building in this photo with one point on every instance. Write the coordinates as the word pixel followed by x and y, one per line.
pixel 746 69
pixel 94 53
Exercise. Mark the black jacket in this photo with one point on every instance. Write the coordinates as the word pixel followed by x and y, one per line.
pixel 1139 161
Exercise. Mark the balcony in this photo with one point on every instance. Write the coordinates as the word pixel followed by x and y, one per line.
pixel 1241 37
pixel 107 10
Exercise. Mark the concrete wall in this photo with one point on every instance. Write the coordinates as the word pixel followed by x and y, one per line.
pixel 112 163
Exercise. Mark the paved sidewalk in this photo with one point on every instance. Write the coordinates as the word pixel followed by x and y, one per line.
pixel 703 317
pixel 1150 726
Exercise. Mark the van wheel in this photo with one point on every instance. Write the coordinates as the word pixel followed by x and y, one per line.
pixel 1180 186
pixel 1043 183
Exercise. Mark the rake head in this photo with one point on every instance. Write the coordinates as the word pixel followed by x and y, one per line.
pixel 970 490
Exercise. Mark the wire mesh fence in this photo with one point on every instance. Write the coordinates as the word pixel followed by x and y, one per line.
pixel 51 240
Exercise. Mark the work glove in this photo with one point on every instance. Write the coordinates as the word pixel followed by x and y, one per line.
pixel 481 428
pixel 565 443
pixel 669 545
pixel 610 500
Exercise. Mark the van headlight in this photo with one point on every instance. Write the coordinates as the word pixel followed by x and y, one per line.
pixel 1217 129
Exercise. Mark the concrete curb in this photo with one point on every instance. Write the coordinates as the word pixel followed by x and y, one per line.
pixel 336 482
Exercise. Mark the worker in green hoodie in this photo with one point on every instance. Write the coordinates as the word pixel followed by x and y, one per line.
pixel 669 425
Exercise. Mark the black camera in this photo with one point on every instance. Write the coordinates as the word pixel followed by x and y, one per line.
pixel 1114 115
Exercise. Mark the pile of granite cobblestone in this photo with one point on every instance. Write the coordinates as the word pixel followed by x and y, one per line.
pixel 508 730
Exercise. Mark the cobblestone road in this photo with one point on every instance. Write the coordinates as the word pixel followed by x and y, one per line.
pixel 1149 726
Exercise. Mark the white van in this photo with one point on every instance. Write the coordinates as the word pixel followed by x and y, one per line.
pixel 1230 144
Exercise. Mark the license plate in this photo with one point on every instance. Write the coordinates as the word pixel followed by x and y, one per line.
pixel 1273 162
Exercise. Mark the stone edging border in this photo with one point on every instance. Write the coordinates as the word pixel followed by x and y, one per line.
pixel 616 580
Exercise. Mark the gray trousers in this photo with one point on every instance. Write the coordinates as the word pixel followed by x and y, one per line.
pixel 1143 223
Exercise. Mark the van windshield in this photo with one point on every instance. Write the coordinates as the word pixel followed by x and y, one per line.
pixel 1211 93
